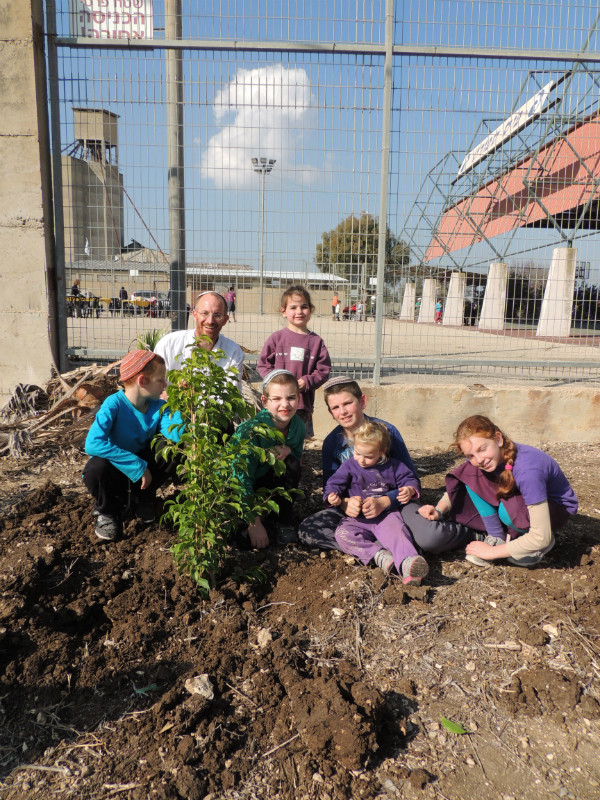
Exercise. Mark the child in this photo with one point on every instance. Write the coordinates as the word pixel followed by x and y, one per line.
pixel 230 299
pixel 298 350
pixel 280 397
pixel 119 444
pixel 515 494
pixel 385 539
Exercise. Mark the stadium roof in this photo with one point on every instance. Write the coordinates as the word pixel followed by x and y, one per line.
pixel 558 185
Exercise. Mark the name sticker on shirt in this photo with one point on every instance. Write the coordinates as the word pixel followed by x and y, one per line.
pixel 296 354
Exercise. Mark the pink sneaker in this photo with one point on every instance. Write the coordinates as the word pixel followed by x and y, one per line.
pixel 384 560
pixel 414 570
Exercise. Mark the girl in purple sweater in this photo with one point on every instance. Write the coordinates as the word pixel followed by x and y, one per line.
pixel 514 495
pixel 385 539
pixel 298 350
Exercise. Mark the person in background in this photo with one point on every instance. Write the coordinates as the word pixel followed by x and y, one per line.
pixel 123 295
pixel 298 350
pixel 438 313
pixel 119 443
pixel 230 299
pixel 76 294
pixel 512 495
pixel 334 304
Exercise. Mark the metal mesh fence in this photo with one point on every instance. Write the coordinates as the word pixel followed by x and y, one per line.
pixel 491 183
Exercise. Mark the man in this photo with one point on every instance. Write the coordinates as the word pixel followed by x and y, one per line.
pixel 210 316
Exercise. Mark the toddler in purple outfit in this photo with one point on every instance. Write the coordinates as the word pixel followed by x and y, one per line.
pixel 385 539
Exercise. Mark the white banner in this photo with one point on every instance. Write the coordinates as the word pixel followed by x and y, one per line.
pixel 112 19
pixel 515 123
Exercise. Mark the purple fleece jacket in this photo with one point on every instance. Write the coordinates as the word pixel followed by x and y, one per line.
pixel 304 355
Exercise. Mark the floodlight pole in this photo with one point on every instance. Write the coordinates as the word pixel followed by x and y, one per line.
pixel 263 166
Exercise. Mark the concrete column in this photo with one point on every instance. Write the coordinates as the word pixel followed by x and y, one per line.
pixel 454 312
pixel 494 301
pixel 427 310
pixel 557 306
pixel 24 307
pixel 407 312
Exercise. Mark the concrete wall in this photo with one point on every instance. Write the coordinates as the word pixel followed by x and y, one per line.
pixel 427 416
pixel 25 356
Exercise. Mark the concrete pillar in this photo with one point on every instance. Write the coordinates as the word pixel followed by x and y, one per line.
pixel 557 306
pixel 407 312
pixel 454 312
pixel 427 310
pixel 26 355
pixel 493 309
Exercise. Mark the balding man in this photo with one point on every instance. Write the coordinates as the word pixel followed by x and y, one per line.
pixel 210 315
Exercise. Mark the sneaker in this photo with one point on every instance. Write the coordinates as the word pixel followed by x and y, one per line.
pixel 414 570
pixel 384 560
pixel 287 534
pixel 107 527
pixel 145 510
pixel 527 561
pixel 484 562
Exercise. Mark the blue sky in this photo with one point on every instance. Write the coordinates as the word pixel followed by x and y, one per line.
pixel 319 115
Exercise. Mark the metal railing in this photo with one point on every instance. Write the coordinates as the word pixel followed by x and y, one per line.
pixel 436 170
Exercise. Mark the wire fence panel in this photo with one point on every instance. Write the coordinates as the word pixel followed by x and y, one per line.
pixel 492 200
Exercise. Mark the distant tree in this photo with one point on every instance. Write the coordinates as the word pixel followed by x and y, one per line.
pixel 350 251
pixel 586 307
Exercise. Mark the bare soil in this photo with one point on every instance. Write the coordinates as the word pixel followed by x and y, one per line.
pixel 329 680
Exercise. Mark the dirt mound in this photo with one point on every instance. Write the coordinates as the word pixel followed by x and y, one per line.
pixel 323 679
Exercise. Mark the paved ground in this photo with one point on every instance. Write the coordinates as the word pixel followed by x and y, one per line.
pixel 423 351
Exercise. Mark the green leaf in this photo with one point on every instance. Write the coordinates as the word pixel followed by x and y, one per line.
pixel 452 727
pixel 145 689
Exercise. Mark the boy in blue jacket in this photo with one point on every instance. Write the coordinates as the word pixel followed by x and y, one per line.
pixel 119 443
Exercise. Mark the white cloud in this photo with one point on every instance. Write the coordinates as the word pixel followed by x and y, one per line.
pixel 265 112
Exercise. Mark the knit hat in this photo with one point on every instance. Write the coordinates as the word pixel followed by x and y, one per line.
pixel 337 381
pixel 134 363
pixel 274 373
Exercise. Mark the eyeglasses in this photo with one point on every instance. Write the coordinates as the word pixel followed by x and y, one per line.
pixel 207 314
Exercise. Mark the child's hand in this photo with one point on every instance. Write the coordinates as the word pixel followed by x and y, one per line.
pixel 374 506
pixel 406 493
pixel 354 506
pixel 302 384
pixel 334 499
pixel 258 535
pixel 429 512
pixel 146 479
pixel 487 551
pixel 282 452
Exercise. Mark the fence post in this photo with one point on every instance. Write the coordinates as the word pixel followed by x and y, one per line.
pixel 384 188
pixel 175 165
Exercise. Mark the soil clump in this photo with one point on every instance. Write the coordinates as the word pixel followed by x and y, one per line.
pixel 320 679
